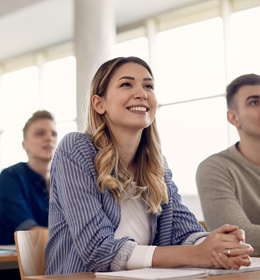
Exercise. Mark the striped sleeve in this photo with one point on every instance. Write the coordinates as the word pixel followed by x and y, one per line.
pixel 82 220
pixel 176 225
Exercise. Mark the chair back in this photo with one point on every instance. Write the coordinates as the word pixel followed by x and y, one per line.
pixel 30 246
pixel 202 223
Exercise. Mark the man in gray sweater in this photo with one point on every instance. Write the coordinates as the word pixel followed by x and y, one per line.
pixel 229 182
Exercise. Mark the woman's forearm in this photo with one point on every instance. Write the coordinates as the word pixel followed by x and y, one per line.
pixel 174 256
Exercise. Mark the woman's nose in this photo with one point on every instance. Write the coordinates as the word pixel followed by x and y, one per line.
pixel 140 94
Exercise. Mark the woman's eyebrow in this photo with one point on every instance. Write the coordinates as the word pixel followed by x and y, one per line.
pixel 132 78
pixel 126 77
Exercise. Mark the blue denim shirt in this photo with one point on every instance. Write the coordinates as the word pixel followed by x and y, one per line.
pixel 24 201
pixel 82 220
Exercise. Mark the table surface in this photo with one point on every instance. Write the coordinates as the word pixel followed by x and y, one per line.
pixel 8 258
pixel 91 276
pixel 8 262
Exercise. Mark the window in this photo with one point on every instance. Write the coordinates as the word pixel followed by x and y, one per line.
pixel 59 93
pixel 59 88
pixel 190 62
pixel 136 47
pixel 189 74
pixel 245 43
pixel 189 133
pixel 21 96
pixel 19 99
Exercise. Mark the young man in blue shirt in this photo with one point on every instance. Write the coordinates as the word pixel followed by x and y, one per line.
pixel 24 198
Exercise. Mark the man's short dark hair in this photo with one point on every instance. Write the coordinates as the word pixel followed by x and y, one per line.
pixel 35 117
pixel 235 85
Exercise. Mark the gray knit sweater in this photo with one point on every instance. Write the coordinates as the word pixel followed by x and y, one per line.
pixel 229 190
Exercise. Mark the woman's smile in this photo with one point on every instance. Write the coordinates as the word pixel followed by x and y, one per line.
pixel 138 109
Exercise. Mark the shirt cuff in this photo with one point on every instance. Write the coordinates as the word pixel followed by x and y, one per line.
pixel 141 257
pixel 200 240
pixel 194 237
pixel 122 256
pixel 27 224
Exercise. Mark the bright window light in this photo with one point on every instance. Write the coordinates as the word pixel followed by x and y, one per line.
pixel 136 47
pixel 59 89
pixel 19 97
pixel 64 128
pixel 245 43
pixel 11 148
pixel 190 62
pixel 190 132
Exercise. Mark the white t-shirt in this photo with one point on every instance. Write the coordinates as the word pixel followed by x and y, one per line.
pixel 135 224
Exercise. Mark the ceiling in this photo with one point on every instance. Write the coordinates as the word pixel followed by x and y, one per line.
pixel 29 25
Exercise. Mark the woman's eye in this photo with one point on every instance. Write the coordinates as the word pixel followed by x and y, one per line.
pixel 149 86
pixel 126 85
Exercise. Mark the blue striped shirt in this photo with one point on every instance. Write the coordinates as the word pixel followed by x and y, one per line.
pixel 82 220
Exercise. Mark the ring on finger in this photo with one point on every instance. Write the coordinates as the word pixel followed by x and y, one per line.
pixel 229 252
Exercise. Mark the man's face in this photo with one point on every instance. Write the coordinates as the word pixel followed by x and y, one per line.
pixel 246 112
pixel 40 140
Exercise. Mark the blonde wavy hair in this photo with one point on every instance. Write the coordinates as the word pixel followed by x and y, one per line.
pixel 148 162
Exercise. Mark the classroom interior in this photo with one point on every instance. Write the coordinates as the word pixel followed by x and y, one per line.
pixel 51 48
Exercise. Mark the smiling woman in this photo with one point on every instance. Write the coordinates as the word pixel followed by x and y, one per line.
pixel 113 204
pixel 129 104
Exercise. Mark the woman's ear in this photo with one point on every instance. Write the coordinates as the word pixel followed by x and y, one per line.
pixel 98 104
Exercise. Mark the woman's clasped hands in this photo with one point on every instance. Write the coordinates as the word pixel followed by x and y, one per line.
pixel 225 247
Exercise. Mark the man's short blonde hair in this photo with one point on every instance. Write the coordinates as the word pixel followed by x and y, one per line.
pixel 38 115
